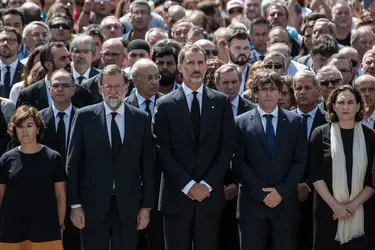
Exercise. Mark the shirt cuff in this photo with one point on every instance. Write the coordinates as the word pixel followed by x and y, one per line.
pixel 186 189
pixel 75 206
pixel 307 187
pixel 205 183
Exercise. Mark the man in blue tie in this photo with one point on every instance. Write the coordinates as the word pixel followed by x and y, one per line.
pixel 269 161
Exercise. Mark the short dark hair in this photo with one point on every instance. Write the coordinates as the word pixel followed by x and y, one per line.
pixel 332 116
pixel 237 34
pixel 340 56
pixel 188 48
pixel 264 77
pixel 112 70
pixel 46 52
pixel 22 114
pixel 325 45
pixel 259 21
pixel 13 11
pixel 13 30
pixel 312 17
pixel 166 47
pixel 208 7
pixel 94 30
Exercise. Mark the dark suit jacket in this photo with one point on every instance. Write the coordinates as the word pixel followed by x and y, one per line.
pixel 132 99
pixel 255 170
pixel 92 170
pixel 182 159
pixel 36 95
pixel 16 78
pixel 306 60
pixel 93 72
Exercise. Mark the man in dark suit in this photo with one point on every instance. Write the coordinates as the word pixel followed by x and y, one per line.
pixel 366 85
pixel 307 90
pixel 58 119
pixel 194 133
pixel 110 165
pixel 113 52
pixel 10 67
pixel 83 50
pixel 259 30
pixel 228 81
pixel 146 78
pixel 269 162
pixel 53 56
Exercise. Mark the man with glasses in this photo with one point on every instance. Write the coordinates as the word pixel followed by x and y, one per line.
pixel 342 63
pixel 111 27
pixel 353 56
pixel 366 86
pixel 58 119
pixel 259 30
pixel 208 47
pixel 61 28
pixel 330 78
pixel 368 63
pixel 276 62
pixel 35 34
pixel 10 67
pixel 83 50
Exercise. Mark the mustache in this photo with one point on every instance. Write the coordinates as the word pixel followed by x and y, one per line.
pixel 242 55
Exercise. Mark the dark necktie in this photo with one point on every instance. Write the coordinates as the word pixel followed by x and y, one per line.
pixel 270 133
pixel 195 116
pixel 261 57
pixel 80 79
pixel 116 137
pixel 61 134
pixel 304 122
pixel 7 81
pixel 147 109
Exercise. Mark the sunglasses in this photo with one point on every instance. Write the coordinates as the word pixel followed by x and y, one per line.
pixel 354 63
pixel 235 10
pixel 211 52
pixel 333 82
pixel 274 66
pixel 59 25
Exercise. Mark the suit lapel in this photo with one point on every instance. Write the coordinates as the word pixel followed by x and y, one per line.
pixel 72 113
pixel 319 119
pixel 43 98
pixel 258 126
pixel 18 73
pixel 51 126
pixel 130 127
pixel 182 109
pixel 282 127
pixel 133 100
pixel 103 124
pixel 207 108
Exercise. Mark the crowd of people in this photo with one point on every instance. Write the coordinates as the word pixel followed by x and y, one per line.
pixel 185 124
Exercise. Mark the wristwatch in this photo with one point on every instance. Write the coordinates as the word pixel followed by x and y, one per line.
pixel 62 227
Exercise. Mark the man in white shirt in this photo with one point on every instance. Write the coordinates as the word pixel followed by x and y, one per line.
pixel 366 86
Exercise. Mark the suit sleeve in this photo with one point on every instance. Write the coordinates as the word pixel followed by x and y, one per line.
pixel 227 143
pixel 170 167
pixel 22 99
pixel 74 159
pixel 298 164
pixel 243 172
pixel 148 168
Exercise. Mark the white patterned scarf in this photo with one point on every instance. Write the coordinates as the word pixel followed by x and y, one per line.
pixel 354 226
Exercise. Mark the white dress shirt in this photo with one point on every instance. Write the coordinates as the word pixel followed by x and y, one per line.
pixel 76 75
pixel 142 102
pixel 310 119
pixel 48 84
pixel 235 103
pixel 294 67
pixel 369 122
pixel 189 98
pixel 67 116
pixel 275 114
pixel 13 67
pixel 257 54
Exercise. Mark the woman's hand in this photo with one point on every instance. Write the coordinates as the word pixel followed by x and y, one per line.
pixel 340 212
pixel 352 207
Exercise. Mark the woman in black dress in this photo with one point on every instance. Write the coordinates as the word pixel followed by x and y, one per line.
pixel 32 188
pixel 340 160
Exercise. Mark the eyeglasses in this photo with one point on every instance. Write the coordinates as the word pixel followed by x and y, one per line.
pixel 109 88
pixel 64 26
pixel 211 52
pixel 369 90
pixel 334 82
pixel 149 78
pixel 354 63
pixel 77 51
pixel 8 40
pixel 56 86
pixel 274 66
pixel 36 34
pixel 108 54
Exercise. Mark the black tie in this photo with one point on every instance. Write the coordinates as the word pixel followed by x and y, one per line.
pixel 116 137
pixel 304 122
pixel 80 79
pixel 147 109
pixel 7 80
pixel 195 116
pixel 270 133
pixel 61 134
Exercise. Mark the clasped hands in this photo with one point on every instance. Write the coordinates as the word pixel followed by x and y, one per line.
pixel 198 192
pixel 273 198
pixel 344 212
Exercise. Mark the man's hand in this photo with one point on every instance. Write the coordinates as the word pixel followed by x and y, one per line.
pixel 143 218
pixel 303 192
pixel 199 192
pixel 230 191
pixel 77 215
pixel 273 198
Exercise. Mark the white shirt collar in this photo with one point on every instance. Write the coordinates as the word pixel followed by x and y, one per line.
pixel 13 65
pixel 48 83
pixel 372 116
pixel 188 91
pixel 66 111
pixel 141 99
pixel 120 110
pixel 311 113
pixel 236 101
pixel 76 74
pixel 257 54
pixel 275 112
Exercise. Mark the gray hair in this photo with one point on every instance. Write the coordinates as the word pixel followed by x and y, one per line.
pixel 289 51
pixel 265 4
pixel 112 70
pixel 28 28
pixel 370 52
pixel 331 25
pixel 326 69
pixel 276 54
pixel 83 39
pixel 242 19
pixel 229 67
pixel 165 34
pixel 306 74
pixel 238 25
pixel 357 32
pixel 140 2
pixel 221 32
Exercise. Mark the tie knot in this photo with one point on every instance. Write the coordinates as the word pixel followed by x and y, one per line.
pixel 113 115
pixel 147 102
pixel 61 115
pixel 268 117
pixel 7 67
pixel 195 93
pixel 305 116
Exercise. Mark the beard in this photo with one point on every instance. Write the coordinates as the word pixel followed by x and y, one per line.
pixel 167 78
pixel 6 53
pixel 241 60
pixel 113 103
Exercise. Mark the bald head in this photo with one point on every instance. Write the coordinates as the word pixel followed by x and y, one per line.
pixel 175 13
pixel 31 12
pixel 145 75
pixel 209 47
pixel 112 52
pixel 366 86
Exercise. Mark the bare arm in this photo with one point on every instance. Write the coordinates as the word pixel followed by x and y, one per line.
pixel 316 4
pixel 322 189
pixel 84 18
pixel 292 11
pixel 2 192
pixel 61 200
pixel 361 198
